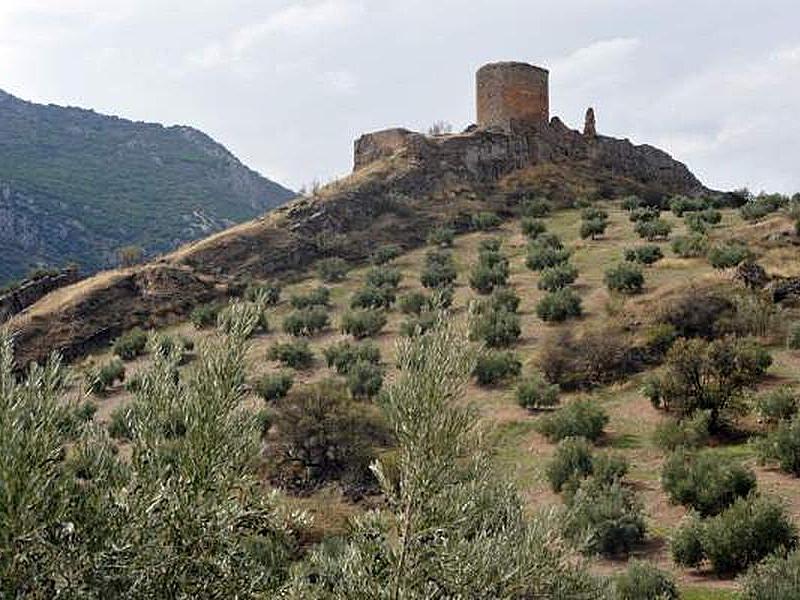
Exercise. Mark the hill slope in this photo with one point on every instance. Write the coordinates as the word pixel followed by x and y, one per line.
pixel 76 186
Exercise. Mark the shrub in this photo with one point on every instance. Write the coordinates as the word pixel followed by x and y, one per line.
pixel 320 296
pixel 695 223
pixel 484 221
pixel 536 208
pixel 532 228
pixel 630 203
pixel 647 213
pixel 363 323
pixel 711 216
pixel 274 386
pixel 547 240
pixel 98 378
pixel 793 338
pixel 371 296
pixel 775 578
pixel 331 270
pixel 604 518
pixel 441 298
pixel 441 236
pixel 320 436
pixel 492 244
pixel 559 305
pixel 777 405
pixel 728 255
pixel 705 481
pixel 593 228
pixel 495 367
pixel 755 210
pixel 681 204
pixel 504 299
pixel 710 376
pixel 534 392
pixel 119 426
pixel 592 213
pixel 749 530
pixel 439 270
pixel 484 278
pixel 343 355
pixel 419 324
pixel 541 256
pixel 386 254
pixel 581 418
pixel 130 345
pixel 364 379
pixel 385 277
pixel 572 460
pixel 497 328
pixel 305 322
pixel 653 230
pixel 269 294
pixel 250 316
pixel 625 277
pixel 698 313
pixel 644 581
pixel 688 433
pixel 645 255
pixel 782 446
pixel 295 354
pixel 690 246
pixel 413 303
pixel 206 315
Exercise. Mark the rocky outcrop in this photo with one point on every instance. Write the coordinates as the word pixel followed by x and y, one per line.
pixel 590 124
pixel 32 290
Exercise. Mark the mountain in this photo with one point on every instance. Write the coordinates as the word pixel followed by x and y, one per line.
pixel 76 186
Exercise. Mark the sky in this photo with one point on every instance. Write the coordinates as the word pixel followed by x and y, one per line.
pixel 289 85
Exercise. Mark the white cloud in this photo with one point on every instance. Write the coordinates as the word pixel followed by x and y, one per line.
pixel 340 82
pixel 595 60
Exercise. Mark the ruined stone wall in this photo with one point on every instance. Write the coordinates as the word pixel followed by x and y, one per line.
pixel 31 291
pixel 512 95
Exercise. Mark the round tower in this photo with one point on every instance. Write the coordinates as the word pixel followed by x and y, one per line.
pixel 512 94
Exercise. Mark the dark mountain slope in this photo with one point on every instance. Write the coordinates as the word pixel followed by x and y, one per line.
pixel 76 186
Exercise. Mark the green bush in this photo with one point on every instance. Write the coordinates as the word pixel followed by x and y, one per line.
pixel 631 203
pixel 496 328
pixel 646 213
pixel 581 418
pixel 625 277
pixel 705 481
pixel 592 213
pixel 413 303
pixel 439 270
pixel 542 256
pixel 331 270
pixel 441 236
pixel 269 294
pixel 320 296
pixel 559 306
pixel 688 433
pixel 644 581
pixel 495 367
pixel 492 244
pixel 682 204
pixel 205 316
pixel 250 316
pixel 690 246
pixel 593 229
pixel 748 531
pixel 604 518
pixel 343 355
pixel 119 426
pixel 645 255
pixel 364 379
pixel 793 338
pixel 485 221
pixel 777 405
pixel 695 223
pixel 728 255
pixel 504 298
pixel 418 324
pixel 306 322
pixel 131 344
pixel 441 298
pixel 534 392
pixel 371 296
pixel 363 323
pixel 572 460
pixel 775 578
pixel 386 254
pixel 98 378
pixel 557 277
pixel 653 230
pixel 782 446
pixel 294 354
pixel 755 210
pixel 532 228
pixel 274 386
pixel 384 277
pixel 536 208
pixel 485 278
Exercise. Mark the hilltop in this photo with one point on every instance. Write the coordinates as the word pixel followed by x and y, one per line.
pixel 76 186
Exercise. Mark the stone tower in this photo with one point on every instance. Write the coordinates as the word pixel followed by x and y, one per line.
pixel 512 95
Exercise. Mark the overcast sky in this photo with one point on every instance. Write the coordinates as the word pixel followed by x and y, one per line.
pixel 288 85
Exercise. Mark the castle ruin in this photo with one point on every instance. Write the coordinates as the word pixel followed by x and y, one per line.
pixel 512 95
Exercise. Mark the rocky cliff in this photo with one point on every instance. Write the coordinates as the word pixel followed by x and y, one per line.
pixel 404 184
